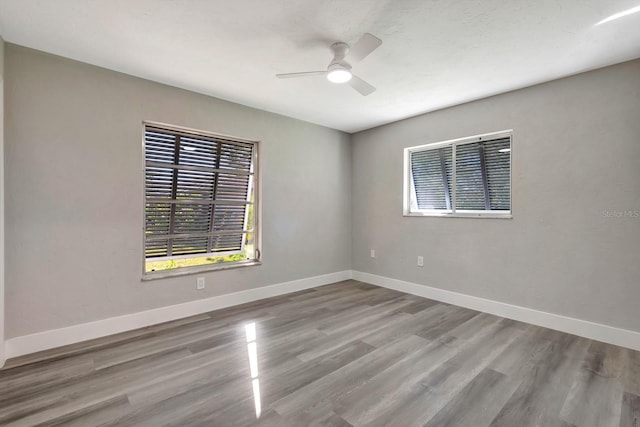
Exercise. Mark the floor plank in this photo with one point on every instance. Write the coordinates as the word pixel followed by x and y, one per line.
pixel 596 393
pixel 477 403
pixel 630 411
pixel 539 398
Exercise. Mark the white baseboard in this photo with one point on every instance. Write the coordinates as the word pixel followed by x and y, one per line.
pixel 46 340
pixel 583 328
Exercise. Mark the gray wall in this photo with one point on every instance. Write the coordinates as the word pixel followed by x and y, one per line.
pixel 2 354
pixel 576 154
pixel 74 193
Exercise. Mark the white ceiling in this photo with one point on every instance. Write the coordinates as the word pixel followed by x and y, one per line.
pixel 435 53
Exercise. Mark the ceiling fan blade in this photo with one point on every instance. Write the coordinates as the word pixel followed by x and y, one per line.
pixel 363 47
pixel 303 74
pixel 361 86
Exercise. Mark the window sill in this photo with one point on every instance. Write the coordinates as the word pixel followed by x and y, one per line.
pixel 185 271
pixel 460 215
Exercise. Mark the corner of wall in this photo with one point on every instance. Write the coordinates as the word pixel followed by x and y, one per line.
pixel 351 193
pixel 2 343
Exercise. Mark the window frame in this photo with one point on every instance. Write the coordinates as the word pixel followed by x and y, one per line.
pixel 257 209
pixel 408 186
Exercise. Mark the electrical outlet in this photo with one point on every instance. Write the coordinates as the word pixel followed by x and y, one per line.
pixel 420 261
pixel 373 253
pixel 200 283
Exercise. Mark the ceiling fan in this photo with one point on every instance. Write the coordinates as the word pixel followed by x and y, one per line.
pixel 344 56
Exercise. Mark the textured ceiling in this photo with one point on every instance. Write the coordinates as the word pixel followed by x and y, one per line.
pixel 435 53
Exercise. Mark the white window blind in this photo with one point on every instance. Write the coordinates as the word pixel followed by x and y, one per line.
pixel 431 173
pixel 466 177
pixel 198 193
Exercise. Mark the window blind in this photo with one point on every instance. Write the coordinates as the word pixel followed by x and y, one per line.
pixel 197 193
pixel 470 193
pixel 431 172
pixel 482 176
pixel 498 161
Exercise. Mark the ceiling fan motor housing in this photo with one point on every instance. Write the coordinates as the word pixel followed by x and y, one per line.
pixel 340 50
pixel 340 65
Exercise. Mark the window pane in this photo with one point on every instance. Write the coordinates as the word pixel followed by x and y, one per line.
pixel 157 218
pixel 431 190
pixel 232 187
pixel 236 156
pixel 156 248
pixel 191 218
pixel 196 151
pixel 189 245
pixel 229 217
pixel 159 146
pixel 498 162
pixel 195 185
pixel 159 182
pixel 227 242
pixel 469 184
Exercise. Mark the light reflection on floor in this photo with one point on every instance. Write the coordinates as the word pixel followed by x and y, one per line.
pixel 252 349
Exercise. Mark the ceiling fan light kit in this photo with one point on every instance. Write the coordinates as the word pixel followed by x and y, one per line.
pixel 339 69
pixel 338 74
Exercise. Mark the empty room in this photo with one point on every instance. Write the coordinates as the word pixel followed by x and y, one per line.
pixel 320 213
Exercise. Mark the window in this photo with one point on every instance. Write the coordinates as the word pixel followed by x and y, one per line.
pixel 200 200
pixel 464 177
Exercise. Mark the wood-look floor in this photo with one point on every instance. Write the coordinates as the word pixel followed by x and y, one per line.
pixel 338 355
